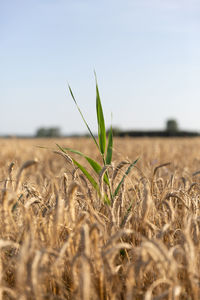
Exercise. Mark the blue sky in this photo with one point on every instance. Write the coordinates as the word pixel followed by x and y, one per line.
pixel 146 54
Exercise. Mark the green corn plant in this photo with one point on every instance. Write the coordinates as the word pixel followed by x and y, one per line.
pixel 105 148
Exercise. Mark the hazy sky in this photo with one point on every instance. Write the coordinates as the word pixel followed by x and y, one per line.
pixel 146 54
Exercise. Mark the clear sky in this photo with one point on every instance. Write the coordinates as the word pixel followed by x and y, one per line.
pixel 146 54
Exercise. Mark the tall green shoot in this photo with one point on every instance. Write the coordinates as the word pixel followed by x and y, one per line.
pixel 106 153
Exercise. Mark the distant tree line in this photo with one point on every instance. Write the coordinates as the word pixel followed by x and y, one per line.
pixel 171 129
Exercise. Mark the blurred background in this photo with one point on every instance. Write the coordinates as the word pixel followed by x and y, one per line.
pixel 146 54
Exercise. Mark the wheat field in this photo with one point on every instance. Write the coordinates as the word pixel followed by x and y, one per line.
pixel 59 240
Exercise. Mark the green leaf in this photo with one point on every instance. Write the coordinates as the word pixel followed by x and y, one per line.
pixel 110 147
pixel 88 175
pixel 100 120
pixel 126 173
pixel 92 181
pixel 83 117
pixel 96 167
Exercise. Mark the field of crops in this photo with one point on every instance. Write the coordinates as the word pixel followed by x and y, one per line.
pixel 60 240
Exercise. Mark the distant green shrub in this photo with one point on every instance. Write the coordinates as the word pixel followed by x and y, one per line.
pixel 172 126
pixel 48 132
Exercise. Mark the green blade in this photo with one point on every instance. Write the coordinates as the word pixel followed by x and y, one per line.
pixel 96 167
pixel 92 181
pixel 126 173
pixel 110 147
pixel 100 120
pixel 88 175
pixel 83 116
pixel 85 172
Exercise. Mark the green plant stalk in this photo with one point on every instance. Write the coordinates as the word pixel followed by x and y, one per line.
pixel 102 135
pixel 106 154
